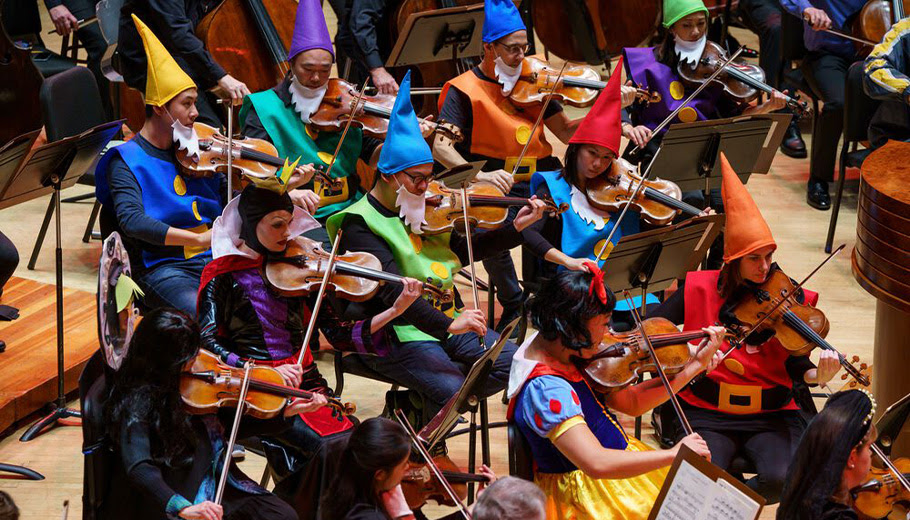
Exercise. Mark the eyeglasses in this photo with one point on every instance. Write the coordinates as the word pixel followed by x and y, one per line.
pixel 516 48
pixel 417 179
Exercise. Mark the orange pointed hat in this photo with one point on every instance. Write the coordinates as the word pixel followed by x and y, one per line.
pixel 603 124
pixel 746 230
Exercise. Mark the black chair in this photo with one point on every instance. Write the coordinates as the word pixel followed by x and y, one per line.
pixel 858 111
pixel 64 118
pixel 99 459
pixel 521 460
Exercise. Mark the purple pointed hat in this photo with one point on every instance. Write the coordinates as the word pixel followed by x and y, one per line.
pixel 310 30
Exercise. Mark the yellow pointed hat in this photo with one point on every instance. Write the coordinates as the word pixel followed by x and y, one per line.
pixel 165 77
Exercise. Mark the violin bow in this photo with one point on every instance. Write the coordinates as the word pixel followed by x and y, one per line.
pixel 232 440
pixel 347 127
pixel 403 421
pixel 659 368
pixel 467 234
pixel 543 110
pixel 689 99
pixel 600 254
pixel 330 266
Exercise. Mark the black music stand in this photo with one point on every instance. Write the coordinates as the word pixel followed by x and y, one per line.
pixel 690 152
pixel 466 400
pixel 890 424
pixel 50 168
pixel 454 32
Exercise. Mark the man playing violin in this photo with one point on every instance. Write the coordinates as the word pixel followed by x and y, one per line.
pixel 243 318
pixel 746 406
pixel 431 338
pixel 887 78
pixel 282 116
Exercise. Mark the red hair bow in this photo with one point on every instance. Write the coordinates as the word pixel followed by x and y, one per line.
pixel 597 284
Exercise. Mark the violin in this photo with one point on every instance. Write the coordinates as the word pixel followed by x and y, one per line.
pixel 207 384
pixel 741 81
pixel 798 327
pixel 658 201
pixel 624 356
pixel 356 276
pixel 371 113
pixel 578 87
pixel 488 207
pixel 252 158
pixel 876 496
pixel 421 485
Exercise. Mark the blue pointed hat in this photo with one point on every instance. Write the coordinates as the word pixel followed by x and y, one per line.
pixel 310 30
pixel 404 145
pixel 500 18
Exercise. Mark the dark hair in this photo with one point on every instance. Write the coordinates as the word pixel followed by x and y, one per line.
pixel 570 164
pixel 817 469
pixel 730 278
pixel 8 509
pixel 510 498
pixel 563 307
pixel 376 444
pixel 146 388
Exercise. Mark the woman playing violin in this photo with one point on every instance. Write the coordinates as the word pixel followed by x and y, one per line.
pixel 243 318
pixel 170 460
pixel 746 406
pixel 833 457
pixel 586 464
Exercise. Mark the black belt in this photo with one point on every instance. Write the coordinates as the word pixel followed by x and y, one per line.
pixel 740 398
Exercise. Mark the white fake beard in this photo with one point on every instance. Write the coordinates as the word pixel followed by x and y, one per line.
pixel 506 76
pixel 306 100
pixel 588 213
pixel 412 208
pixel 186 139
pixel 690 51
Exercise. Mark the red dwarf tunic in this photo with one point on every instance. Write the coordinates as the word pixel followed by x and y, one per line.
pixel 742 379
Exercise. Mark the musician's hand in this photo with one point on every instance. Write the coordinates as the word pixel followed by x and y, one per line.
pixel 292 374
pixel 204 239
pixel 628 92
pixel 502 179
pixel 817 18
pixel 302 175
pixel 639 135
pixel 828 366
pixel 202 511
pixel 707 354
pixel 487 472
pixel 577 264
pixel 427 127
pixel 695 443
pixel 395 504
pixel 412 290
pixel 302 405
pixel 529 214
pixel 306 199
pixel 384 81
pixel 63 20
pixel 471 320
pixel 233 87
pixel 777 101
pixel 707 211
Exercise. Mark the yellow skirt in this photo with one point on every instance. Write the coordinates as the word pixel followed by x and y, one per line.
pixel 576 496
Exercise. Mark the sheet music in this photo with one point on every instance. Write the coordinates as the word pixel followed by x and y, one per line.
pixel 729 503
pixel 688 494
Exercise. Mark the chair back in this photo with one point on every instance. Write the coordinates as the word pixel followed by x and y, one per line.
pixel 858 107
pixel 98 458
pixel 521 461
pixel 71 103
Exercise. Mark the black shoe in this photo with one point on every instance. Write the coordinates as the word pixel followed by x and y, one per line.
pixel 793 144
pixel 509 314
pixel 817 195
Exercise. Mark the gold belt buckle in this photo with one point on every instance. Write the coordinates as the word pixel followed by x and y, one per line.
pixel 728 390
pixel 330 195
pixel 525 171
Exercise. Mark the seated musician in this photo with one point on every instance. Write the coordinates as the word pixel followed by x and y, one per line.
pixel 175 21
pixel 243 318
pixel 887 77
pixel 745 407
pixel 170 460
pixel 365 43
pixel 586 464
pixel 833 457
pixel 825 67
pixel 684 36
pixel 282 116
pixel 477 102
pixel 431 338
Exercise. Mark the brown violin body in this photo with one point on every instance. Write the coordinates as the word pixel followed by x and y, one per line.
pixel 586 30
pixel 488 207
pixel 19 89
pixel 658 202
pixel 250 38
pixel 712 58
pixel 420 484
pixel 881 490
pixel 207 384
pixel 624 356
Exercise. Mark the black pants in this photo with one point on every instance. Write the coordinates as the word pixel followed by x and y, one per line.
pixel 243 506
pixel 826 74
pixel 93 42
pixel 763 18
pixel 9 259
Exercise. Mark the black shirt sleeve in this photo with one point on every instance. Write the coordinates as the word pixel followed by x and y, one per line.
pixel 540 236
pixel 486 244
pixel 797 366
pixel 253 127
pixel 140 468
pixel 129 208
pixel 172 25
pixel 365 14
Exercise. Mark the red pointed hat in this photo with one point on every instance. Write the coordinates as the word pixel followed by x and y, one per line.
pixel 746 230
pixel 603 124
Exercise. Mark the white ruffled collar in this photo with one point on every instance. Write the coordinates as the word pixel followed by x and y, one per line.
pixel 306 100
pixel 588 213
pixel 226 239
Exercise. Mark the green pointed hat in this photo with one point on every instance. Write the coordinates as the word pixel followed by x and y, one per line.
pixel 675 10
